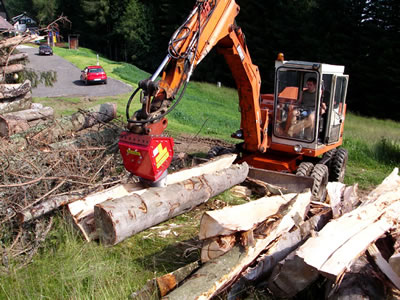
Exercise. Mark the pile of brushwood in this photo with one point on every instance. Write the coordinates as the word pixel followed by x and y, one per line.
pixel 47 166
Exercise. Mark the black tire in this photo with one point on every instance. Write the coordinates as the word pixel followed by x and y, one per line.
pixel 86 82
pixel 320 174
pixel 330 153
pixel 305 169
pixel 338 165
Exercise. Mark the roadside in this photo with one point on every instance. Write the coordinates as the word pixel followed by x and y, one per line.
pixel 68 78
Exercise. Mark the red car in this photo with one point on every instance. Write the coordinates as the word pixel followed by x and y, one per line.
pixel 93 74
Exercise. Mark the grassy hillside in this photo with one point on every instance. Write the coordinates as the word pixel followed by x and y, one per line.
pixel 68 268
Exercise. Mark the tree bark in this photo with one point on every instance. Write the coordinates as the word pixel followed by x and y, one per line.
pixel 51 130
pixel 121 218
pixel 12 58
pixel 17 40
pixel 32 113
pixel 12 123
pixel 220 273
pixel 14 90
pixel 82 211
pixel 19 103
pixel 15 68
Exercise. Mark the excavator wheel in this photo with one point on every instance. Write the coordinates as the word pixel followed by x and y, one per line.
pixel 305 169
pixel 338 165
pixel 320 174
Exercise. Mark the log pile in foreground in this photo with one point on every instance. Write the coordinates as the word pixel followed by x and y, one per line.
pixel 285 243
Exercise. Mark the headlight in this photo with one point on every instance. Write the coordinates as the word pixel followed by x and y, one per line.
pixel 298 148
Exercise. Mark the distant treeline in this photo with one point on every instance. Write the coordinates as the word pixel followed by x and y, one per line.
pixel 362 35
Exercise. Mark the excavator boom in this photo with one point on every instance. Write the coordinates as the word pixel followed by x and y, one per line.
pixel 210 24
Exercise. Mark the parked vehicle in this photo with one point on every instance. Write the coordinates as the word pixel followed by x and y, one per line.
pixel 45 50
pixel 93 74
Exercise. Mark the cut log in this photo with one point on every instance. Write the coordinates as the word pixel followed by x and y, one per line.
pixel 17 40
pixel 15 68
pixel 15 122
pixel 11 125
pixel 12 58
pixel 82 211
pixel 220 273
pixel 53 129
pixel 279 250
pixel 121 218
pixel 14 90
pixel 343 240
pixel 19 103
pixel 32 113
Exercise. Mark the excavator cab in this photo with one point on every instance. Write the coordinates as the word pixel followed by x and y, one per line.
pixel 310 120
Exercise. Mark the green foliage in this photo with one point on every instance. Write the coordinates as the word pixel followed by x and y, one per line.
pixel 45 77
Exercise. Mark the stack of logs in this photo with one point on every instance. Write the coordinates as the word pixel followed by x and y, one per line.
pixel 17 113
pixel 284 243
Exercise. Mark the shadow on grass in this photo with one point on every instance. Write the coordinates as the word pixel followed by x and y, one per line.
pixel 172 257
pixel 387 151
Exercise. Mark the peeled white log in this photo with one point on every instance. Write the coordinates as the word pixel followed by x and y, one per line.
pixel 344 239
pixel 220 273
pixel 243 217
pixel 278 251
pixel 82 211
pixel 121 218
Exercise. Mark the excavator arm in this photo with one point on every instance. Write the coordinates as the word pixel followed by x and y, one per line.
pixel 210 24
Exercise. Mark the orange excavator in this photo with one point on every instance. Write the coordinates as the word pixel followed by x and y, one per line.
pixel 294 132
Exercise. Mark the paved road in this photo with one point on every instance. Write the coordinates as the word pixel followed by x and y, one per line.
pixel 68 82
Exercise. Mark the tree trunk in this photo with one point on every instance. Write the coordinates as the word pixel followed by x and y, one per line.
pixel 19 103
pixel 15 68
pixel 17 40
pixel 51 130
pixel 82 211
pixel 15 57
pixel 14 90
pixel 12 123
pixel 121 218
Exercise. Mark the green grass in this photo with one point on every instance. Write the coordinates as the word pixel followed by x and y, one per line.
pixel 69 268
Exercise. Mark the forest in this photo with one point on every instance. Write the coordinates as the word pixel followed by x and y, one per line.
pixel 364 36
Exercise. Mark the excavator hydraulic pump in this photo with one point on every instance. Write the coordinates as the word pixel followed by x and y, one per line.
pixel 146 156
